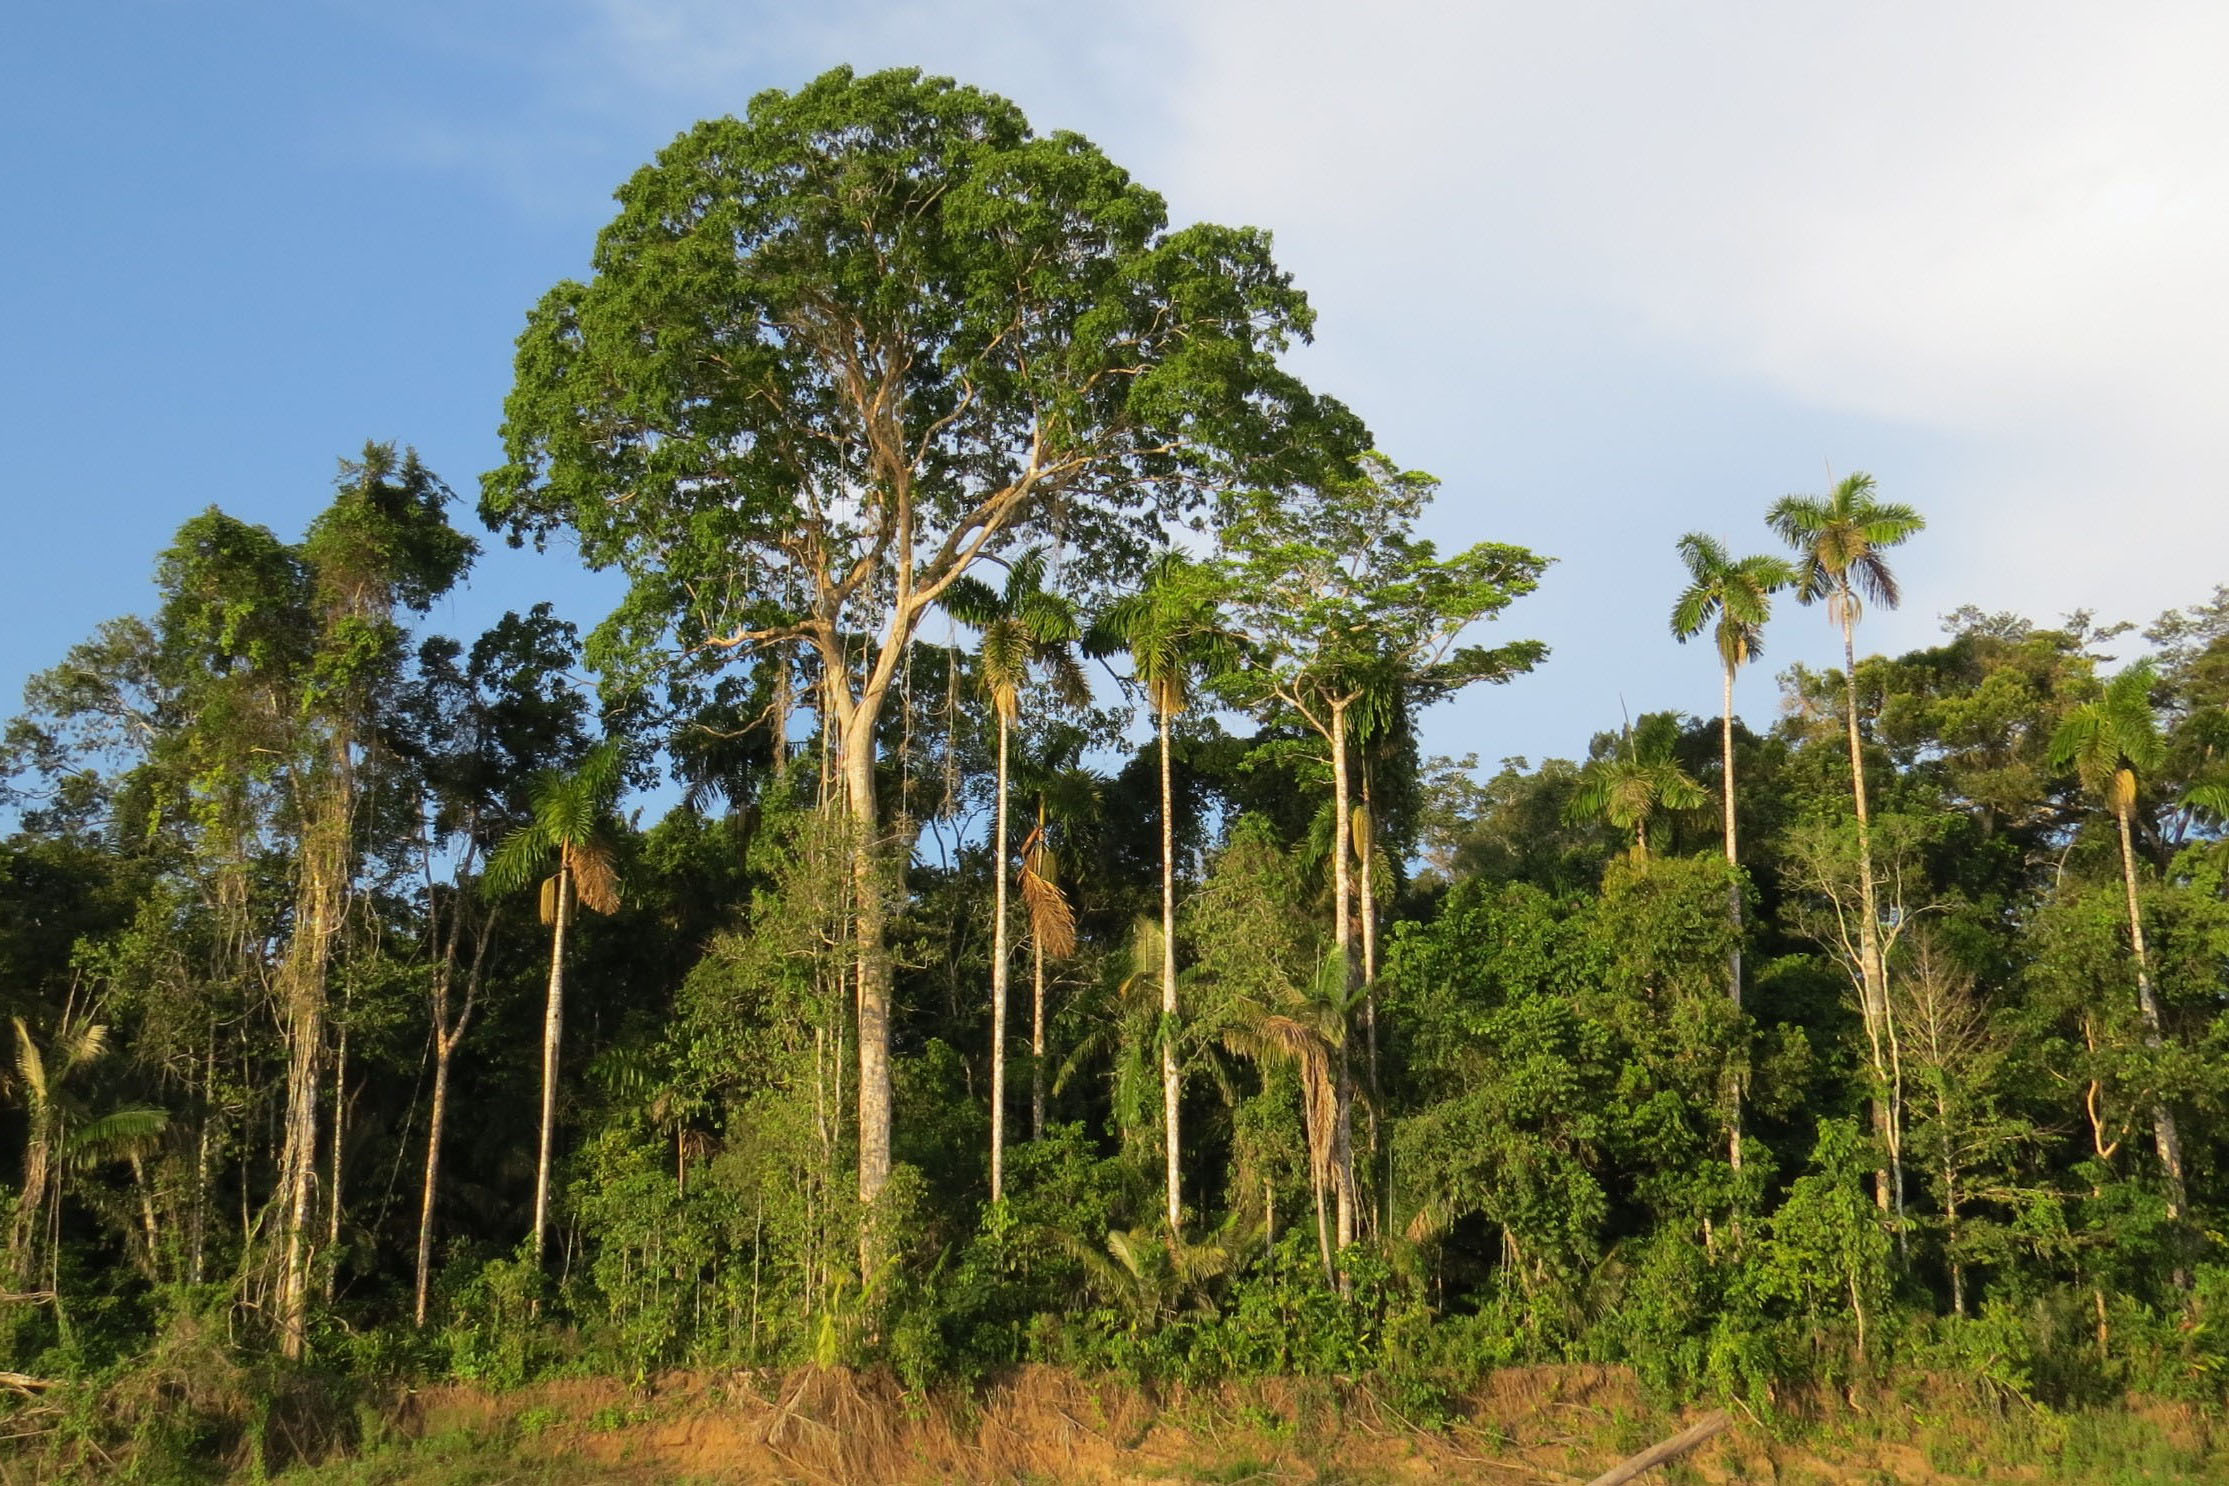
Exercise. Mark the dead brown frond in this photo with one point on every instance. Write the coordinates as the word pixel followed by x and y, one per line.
pixel 595 877
pixel 1052 923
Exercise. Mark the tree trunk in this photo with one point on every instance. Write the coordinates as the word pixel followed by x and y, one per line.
pixel 2166 1138
pixel 324 858
pixel 1342 902
pixel 1950 1206
pixel 1369 894
pixel 1172 1087
pixel 1036 1039
pixel 1870 969
pixel 297 1167
pixel 553 1032
pixel 998 977
pixel 1733 910
pixel 437 1121
pixel 874 977
pixel 340 1137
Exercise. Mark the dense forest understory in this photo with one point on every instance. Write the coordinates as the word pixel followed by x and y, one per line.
pixel 1057 986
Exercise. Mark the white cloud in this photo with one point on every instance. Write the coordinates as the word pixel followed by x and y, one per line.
pixel 1616 270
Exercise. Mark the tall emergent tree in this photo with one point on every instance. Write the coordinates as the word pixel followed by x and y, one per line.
pixel 570 823
pixel 2109 743
pixel 1838 542
pixel 1731 596
pixel 1174 631
pixel 1341 602
pixel 836 351
pixel 1023 625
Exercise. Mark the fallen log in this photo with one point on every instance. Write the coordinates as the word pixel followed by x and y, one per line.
pixel 1663 1450
pixel 24 1382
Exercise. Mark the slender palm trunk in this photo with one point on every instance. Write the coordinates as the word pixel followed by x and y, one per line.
pixel 553 1032
pixel 1733 909
pixel 1368 889
pixel 2166 1137
pixel 1036 1039
pixel 998 978
pixel 30 1207
pixel 1870 970
pixel 1950 1204
pixel 1172 1086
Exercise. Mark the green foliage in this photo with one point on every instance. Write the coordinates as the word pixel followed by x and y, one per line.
pixel 1889 1107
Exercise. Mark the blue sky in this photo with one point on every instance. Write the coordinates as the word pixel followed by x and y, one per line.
pixel 1611 271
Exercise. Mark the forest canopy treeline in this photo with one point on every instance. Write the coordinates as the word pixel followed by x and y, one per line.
pixel 1059 949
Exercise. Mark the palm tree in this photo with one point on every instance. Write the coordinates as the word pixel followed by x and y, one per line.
pixel 1173 629
pixel 57 1128
pixel 1067 797
pixel 1630 785
pixel 1306 1027
pixel 1838 541
pixel 2109 743
pixel 570 816
pixel 1023 626
pixel 1735 594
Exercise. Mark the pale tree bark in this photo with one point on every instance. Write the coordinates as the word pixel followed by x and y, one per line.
pixel 318 906
pixel 1342 893
pixel 874 976
pixel 1367 886
pixel 1037 1023
pixel 1172 1086
pixel 2166 1137
pixel 446 1035
pixel 553 1033
pixel 1871 971
pixel 1733 909
pixel 340 1137
pixel 998 977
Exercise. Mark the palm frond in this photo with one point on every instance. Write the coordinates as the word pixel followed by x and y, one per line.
pixel 2209 798
pixel 1052 923
pixel 117 1132
pixel 77 1044
pixel 971 601
pixel 595 874
pixel 516 861
pixel 29 1065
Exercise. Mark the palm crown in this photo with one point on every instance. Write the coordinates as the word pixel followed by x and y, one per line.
pixel 1838 542
pixel 568 814
pixel 1627 788
pixel 1026 624
pixel 2110 741
pixel 1735 592
pixel 1171 627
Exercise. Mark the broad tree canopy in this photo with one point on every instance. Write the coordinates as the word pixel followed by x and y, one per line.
pixel 833 351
